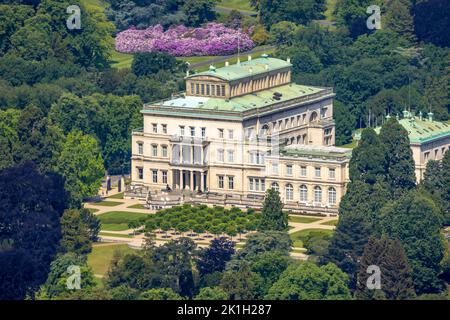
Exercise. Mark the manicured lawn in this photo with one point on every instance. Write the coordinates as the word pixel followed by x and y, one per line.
pixel 117 196
pixel 118 235
pixel 100 257
pixel 330 223
pixel 118 220
pixel 300 236
pixel 121 60
pixel 197 59
pixel 137 206
pixel 106 203
pixel 302 219
pixel 242 5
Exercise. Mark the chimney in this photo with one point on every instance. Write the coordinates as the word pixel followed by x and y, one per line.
pixel 249 58
pixel 288 60
pixel 266 66
pixel 227 63
pixel 187 73
pixel 420 115
pixel 250 69
pixel 430 116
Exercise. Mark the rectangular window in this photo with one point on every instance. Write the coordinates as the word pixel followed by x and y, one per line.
pixel 181 130
pixel 203 89
pixel 426 155
pixel 212 90
pixel 164 151
pixel 197 88
pixel 251 184
pixel 275 167
pixel 331 173
pixel 231 183
pixel 207 89
pixel 230 156
pixel 223 91
pixel 164 128
pixel 317 172
pixel 192 131
pixel 192 88
pixel 140 148
pixel 220 155
pixel 256 184
pixel 230 134
pixel 155 127
pixel 203 132
pixel 155 176
pixel 303 171
pixel 289 169
pixel 220 133
pixel 164 177
pixel 218 90
pixel 140 173
pixel 220 181
pixel 154 150
pixel 263 185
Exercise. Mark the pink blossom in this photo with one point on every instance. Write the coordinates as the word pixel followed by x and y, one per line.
pixel 180 41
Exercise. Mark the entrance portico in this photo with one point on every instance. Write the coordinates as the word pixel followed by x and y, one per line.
pixel 189 179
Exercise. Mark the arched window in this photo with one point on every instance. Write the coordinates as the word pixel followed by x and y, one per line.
pixel 313 117
pixel 332 196
pixel 264 131
pixel 275 186
pixel 289 192
pixel 317 194
pixel 303 193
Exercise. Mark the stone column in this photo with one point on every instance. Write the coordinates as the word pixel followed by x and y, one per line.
pixel 191 180
pixel 201 181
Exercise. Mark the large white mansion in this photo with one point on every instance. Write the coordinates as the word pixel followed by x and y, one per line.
pixel 244 128
pixel 235 132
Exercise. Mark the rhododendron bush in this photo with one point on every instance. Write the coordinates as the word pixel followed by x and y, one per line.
pixel 180 41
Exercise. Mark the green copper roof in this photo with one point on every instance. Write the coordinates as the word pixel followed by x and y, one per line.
pixel 245 69
pixel 239 104
pixel 420 131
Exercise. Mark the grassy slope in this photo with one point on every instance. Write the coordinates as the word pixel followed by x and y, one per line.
pixel 303 219
pixel 100 257
pixel 118 220
pixel 240 5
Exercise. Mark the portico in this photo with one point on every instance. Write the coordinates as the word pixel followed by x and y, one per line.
pixel 189 179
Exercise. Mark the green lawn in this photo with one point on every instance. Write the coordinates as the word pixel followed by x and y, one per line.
pixel 121 60
pixel 137 206
pixel 330 223
pixel 300 236
pixel 118 235
pixel 106 203
pixel 241 5
pixel 100 257
pixel 302 219
pixel 117 196
pixel 91 210
pixel 118 220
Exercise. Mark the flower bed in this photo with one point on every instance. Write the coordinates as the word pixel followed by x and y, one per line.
pixel 212 40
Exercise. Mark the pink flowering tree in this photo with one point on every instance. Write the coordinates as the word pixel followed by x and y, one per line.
pixel 180 41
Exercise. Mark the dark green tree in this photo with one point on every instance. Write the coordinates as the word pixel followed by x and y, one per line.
pixel 367 162
pixel 399 163
pixel 149 63
pixel 214 258
pixel 30 207
pixel 273 217
pixel 208 293
pixel 75 236
pixel 307 281
pixel 398 18
pixel 199 11
pixel 415 220
pixel 395 274
pixel 239 284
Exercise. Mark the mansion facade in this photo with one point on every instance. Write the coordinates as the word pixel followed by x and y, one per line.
pixel 237 131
